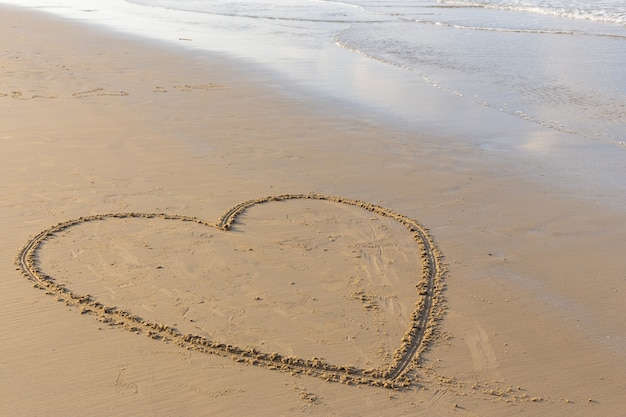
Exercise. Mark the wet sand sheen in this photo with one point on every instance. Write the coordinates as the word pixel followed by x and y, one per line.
pixel 98 123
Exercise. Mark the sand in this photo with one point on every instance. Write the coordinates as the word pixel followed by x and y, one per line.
pixel 363 269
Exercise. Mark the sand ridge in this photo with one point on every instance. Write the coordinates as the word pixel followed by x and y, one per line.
pixel 420 332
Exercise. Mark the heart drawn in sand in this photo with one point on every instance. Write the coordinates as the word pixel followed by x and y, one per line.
pixel 428 306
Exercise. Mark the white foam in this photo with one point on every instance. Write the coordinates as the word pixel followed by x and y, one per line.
pixel 605 12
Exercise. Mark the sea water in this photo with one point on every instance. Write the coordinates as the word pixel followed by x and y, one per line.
pixel 503 74
pixel 560 64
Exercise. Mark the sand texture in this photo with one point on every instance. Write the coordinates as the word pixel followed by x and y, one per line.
pixel 419 322
pixel 181 239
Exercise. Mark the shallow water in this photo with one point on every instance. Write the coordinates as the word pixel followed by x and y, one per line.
pixel 533 77
pixel 557 64
pixel 553 63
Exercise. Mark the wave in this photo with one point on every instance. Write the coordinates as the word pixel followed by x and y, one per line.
pixel 518 30
pixel 550 124
pixel 587 11
pixel 262 11
pixel 530 93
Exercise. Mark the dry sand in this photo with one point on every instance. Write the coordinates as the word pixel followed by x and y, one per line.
pixel 94 124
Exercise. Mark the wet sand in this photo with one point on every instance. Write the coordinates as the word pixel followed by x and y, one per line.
pixel 287 308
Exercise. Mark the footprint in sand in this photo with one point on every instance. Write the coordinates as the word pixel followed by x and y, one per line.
pixel 206 87
pixel 483 354
pixel 99 92
pixel 188 87
pixel 17 95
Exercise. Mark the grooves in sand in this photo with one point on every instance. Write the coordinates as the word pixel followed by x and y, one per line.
pixel 420 330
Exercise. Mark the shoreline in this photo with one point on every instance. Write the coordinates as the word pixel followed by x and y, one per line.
pixel 106 123
pixel 385 95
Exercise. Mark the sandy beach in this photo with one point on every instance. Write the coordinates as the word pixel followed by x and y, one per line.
pixel 182 239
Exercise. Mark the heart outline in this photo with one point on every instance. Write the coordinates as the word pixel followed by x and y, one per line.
pixel 421 329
